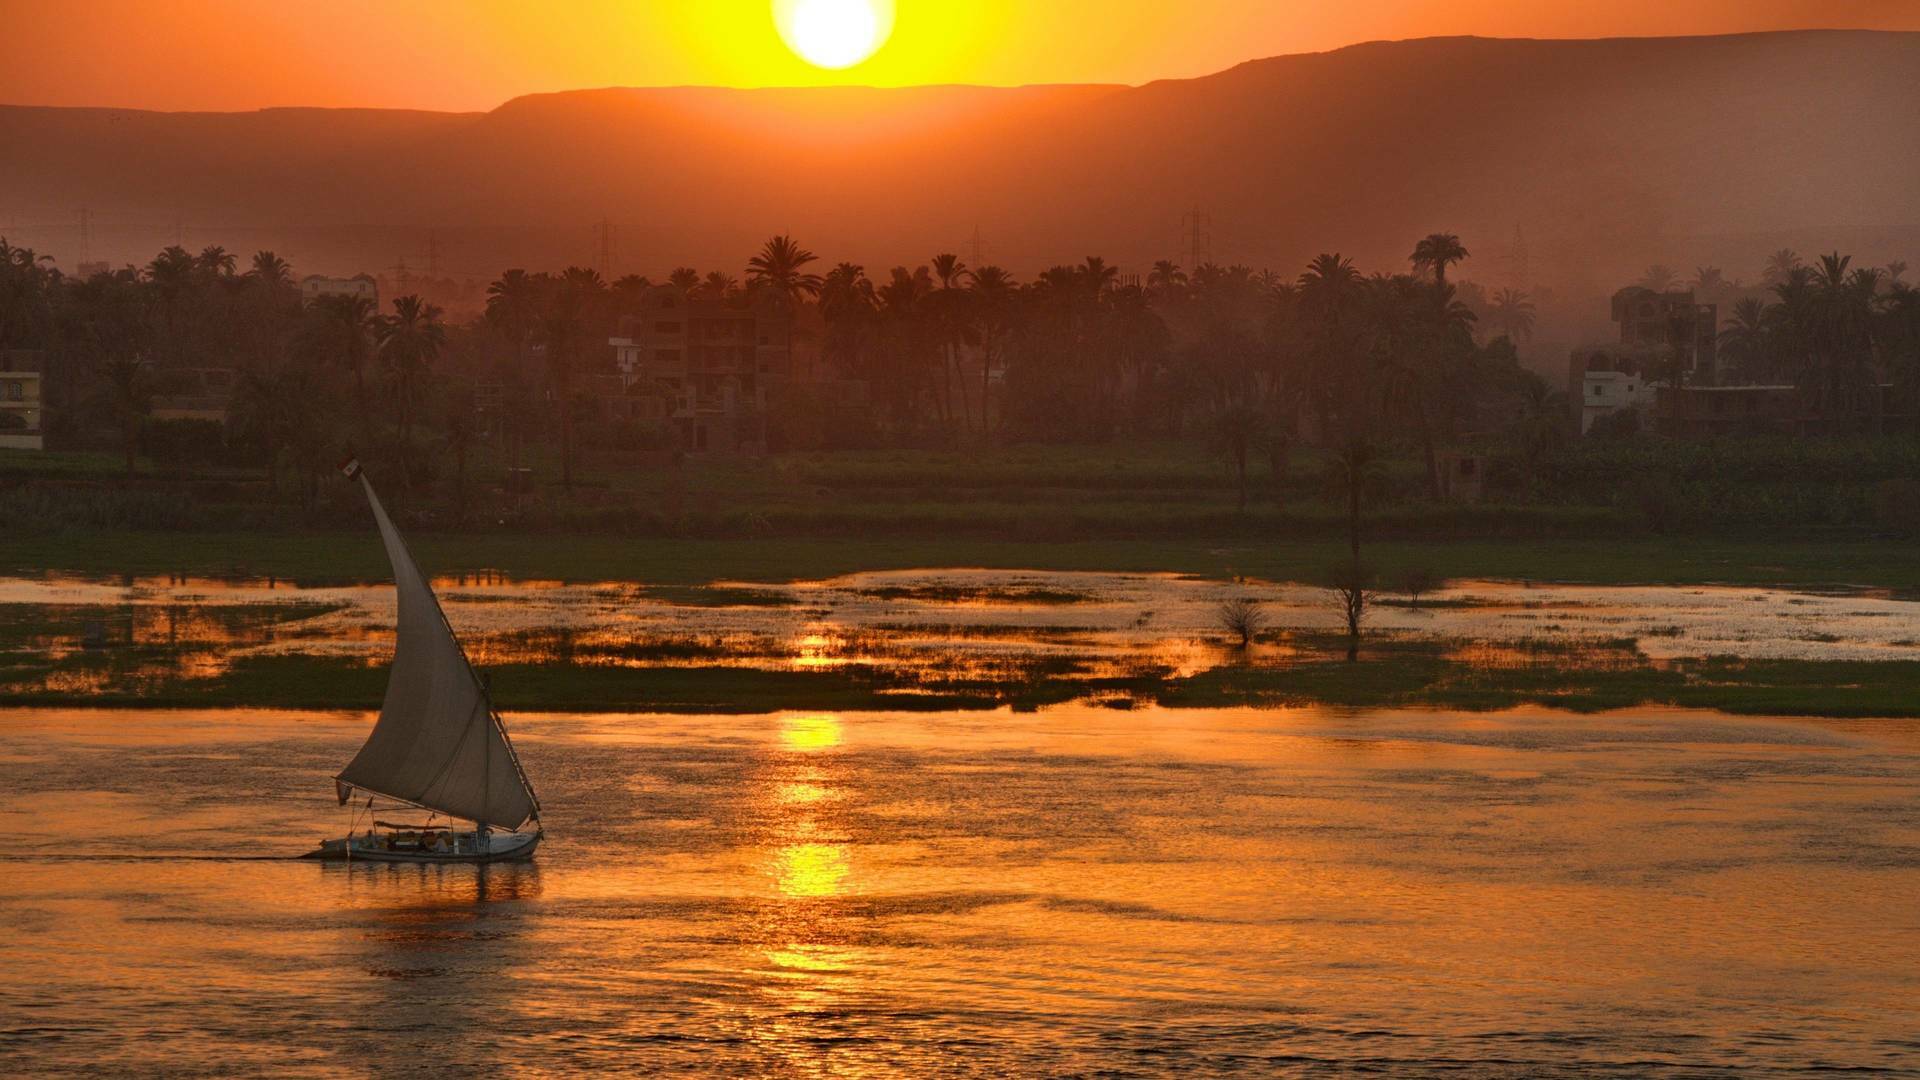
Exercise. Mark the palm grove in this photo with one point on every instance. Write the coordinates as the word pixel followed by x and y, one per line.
pixel 1250 365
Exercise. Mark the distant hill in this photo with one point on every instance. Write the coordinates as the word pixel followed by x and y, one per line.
pixel 1602 152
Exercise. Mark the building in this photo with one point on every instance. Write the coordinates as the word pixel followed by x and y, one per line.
pixel 22 401
pixel 1604 393
pixel 1665 339
pixel 1609 378
pixel 1671 321
pixel 315 286
pixel 708 366
pixel 1701 412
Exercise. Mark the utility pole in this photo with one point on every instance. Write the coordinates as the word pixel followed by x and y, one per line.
pixel 1198 227
pixel 605 261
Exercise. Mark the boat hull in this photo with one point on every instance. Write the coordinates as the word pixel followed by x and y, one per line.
pixel 501 847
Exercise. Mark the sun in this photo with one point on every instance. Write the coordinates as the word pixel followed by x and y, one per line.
pixel 834 33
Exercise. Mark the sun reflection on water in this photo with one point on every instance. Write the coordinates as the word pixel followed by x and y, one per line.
pixel 809 733
pixel 811 870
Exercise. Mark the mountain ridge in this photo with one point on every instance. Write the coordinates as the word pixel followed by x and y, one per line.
pixel 1585 145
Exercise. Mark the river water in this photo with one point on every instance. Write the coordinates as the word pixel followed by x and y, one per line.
pixel 1076 890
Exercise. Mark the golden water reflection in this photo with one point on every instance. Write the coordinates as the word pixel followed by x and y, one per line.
pixel 811 870
pixel 809 733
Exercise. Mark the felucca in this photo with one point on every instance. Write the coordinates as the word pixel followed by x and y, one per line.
pixel 438 746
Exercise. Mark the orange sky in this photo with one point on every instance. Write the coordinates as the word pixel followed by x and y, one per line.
pixel 474 54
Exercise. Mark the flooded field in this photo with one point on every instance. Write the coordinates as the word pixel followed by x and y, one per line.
pixel 1080 890
pixel 919 631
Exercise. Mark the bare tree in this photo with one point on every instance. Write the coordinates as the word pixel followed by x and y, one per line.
pixel 1241 617
pixel 1419 580
pixel 1351 587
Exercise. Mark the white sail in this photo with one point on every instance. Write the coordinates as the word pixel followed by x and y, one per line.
pixel 436 744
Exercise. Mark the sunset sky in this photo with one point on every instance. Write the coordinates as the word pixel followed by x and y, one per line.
pixel 474 54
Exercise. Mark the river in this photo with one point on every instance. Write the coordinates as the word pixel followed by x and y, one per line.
pixel 1073 890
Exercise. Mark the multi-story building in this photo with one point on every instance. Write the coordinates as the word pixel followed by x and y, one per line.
pixel 1665 339
pixel 22 404
pixel 1671 321
pixel 709 364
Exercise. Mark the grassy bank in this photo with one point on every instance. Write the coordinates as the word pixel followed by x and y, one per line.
pixel 356 556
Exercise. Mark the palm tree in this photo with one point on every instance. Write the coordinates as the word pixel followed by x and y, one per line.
pixel 781 269
pixel 1708 280
pixel 563 327
pixel 341 327
pixel 948 270
pixel 780 266
pixel 903 328
pixel 717 285
pixel 1435 253
pixel 684 278
pixel 1098 277
pixel 1166 279
pixel 461 433
pixel 1743 339
pixel 271 269
pixel 1328 293
pixel 847 305
pixel 172 274
pixel 993 291
pixel 130 396
pixel 26 303
pixel 1513 313
pixel 410 340
pixel 1658 278
pixel 1353 473
pixel 628 290
pixel 1237 426
pixel 952 326
pixel 1780 265
pixel 513 307
pixel 216 261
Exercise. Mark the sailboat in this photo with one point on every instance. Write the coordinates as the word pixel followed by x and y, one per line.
pixel 438 746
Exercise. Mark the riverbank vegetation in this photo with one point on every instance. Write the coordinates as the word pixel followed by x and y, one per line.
pixel 1082 404
pixel 1308 669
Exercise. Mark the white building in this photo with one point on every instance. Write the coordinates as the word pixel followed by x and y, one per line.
pixel 314 286
pixel 20 411
pixel 1604 393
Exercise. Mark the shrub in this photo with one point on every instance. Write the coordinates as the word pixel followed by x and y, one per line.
pixel 1242 618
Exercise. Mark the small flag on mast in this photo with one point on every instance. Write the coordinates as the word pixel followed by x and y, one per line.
pixel 351 467
pixel 345 791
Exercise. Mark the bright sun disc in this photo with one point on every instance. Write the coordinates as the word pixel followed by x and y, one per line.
pixel 834 33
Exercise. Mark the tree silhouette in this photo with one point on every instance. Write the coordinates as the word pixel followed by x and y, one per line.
pixel 409 341
pixel 1435 253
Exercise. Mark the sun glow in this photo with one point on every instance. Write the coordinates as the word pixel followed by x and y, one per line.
pixel 834 33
